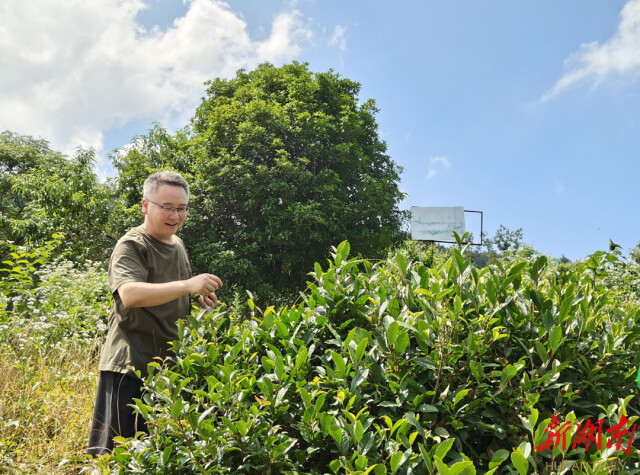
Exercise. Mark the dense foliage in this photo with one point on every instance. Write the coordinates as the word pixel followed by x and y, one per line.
pixel 52 322
pixel 50 302
pixel 19 155
pixel 283 163
pixel 44 192
pixel 394 367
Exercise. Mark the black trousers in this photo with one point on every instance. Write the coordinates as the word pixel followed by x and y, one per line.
pixel 112 415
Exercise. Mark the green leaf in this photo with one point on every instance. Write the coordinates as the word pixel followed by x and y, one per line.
pixel 336 433
pixel 519 462
pixel 397 424
pixel 508 373
pixel 459 396
pixel 176 409
pixel 345 444
pixel 282 329
pixel 373 469
pixel 426 458
pixel 567 304
pixel 320 402
pixel 443 447
pixel 343 250
pixel 361 349
pixel 541 351
pixel 339 363
pixel 387 420
pixel 555 338
pixel 241 427
pixel 301 357
pixel 367 442
pixel 499 456
pixel 443 468
pixel 463 468
pixel 395 461
pixel 279 368
pixel 358 431
pixel 392 332
pixel 401 343
pixel 380 469
pixel 306 398
pixel 457 305
pixel 411 419
pixel 476 370
pixel 533 418
pixel 358 378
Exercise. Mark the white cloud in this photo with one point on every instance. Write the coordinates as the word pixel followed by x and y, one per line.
pixel 618 56
pixel 559 188
pixel 74 69
pixel 339 39
pixel 436 164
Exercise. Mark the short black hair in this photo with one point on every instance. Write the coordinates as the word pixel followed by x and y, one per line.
pixel 166 177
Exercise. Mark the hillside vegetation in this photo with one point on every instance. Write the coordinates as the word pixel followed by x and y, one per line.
pixel 385 367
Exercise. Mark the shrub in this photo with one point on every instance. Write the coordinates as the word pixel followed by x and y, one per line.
pixel 397 368
pixel 47 304
pixel 50 316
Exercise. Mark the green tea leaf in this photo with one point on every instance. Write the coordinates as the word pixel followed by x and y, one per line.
pixel 361 349
pixel 508 372
pixel 499 456
pixel 395 461
pixel 443 447
pixel 555 338
pixel 519 462
pixel 339 363
pixel 459 396
pixel 358 378
pixel 392 332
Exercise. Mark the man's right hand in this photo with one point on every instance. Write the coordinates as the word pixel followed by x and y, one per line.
pixel 145 294
pixel 204 284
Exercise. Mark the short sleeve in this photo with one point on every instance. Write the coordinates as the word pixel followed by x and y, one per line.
pixel 128 264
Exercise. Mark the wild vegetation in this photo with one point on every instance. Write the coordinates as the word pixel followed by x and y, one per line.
pixel 389 360
pixel 385 367
pixel 52 321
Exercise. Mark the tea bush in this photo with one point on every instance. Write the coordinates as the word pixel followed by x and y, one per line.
pixel 395 367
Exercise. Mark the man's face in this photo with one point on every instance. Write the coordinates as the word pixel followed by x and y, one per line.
pixel 158 222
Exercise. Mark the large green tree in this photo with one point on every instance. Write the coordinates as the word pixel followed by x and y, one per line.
pixel 284 163
pixel 19 155
pixel 45 192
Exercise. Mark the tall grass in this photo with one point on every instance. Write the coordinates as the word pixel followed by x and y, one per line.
pixel 52 322
pixel 45 409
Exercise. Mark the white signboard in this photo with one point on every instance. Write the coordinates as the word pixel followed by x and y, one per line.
pixel 436 223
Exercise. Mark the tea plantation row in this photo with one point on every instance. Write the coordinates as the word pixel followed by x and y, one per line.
pixel 394 367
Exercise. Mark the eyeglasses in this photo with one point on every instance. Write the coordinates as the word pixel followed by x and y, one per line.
pixel 170 209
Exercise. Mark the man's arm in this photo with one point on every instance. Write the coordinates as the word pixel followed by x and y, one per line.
pixel 144 294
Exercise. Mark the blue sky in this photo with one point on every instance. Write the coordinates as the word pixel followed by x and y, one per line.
pixel 527 111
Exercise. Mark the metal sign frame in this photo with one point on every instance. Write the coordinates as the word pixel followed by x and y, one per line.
pixel 473 243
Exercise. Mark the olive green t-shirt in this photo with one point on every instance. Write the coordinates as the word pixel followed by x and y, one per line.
pixel 137 335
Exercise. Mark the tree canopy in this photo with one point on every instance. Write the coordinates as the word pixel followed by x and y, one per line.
pixel 18 156
pixel 44 193
pixel 283 164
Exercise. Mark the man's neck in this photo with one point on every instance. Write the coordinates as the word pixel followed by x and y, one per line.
pixel 169 240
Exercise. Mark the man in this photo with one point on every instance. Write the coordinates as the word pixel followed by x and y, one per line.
pixel 150 279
